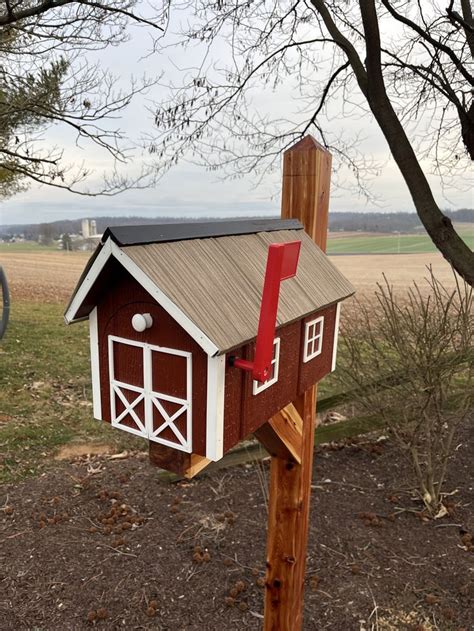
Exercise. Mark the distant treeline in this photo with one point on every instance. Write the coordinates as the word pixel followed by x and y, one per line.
pixel 388 222
pixel 338 221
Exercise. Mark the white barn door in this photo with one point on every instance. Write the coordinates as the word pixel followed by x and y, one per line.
pixel 151 391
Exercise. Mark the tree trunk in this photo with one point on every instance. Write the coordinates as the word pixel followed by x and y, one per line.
pixel 438 226
pixel 371 84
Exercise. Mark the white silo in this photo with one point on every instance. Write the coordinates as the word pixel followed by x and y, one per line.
pixel 85 229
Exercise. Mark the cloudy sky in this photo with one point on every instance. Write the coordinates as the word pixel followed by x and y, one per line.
pixel 190 191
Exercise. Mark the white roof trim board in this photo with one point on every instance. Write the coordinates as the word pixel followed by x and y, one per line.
pixel 111 249
pixel 212 286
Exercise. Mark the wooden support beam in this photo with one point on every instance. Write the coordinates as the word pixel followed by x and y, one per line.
pixel 179 462
pixel 305 196
pixel 306 184
pixel 288 519
pixel 196 464
pixel 282 435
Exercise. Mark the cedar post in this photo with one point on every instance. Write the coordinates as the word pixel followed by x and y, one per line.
pixel 305 196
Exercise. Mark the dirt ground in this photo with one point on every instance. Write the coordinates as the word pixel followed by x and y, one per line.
pixel 108 544
pixel 51 276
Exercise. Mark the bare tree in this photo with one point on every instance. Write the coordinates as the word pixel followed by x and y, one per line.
pixel 407 63
pixel 46 80
pixel 409 360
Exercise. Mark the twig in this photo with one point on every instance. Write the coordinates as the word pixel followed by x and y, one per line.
pixel 180 538
pixel 192 573
pixel 128 554
pixel 256 615
pixel 17 534
pixel 374 610
pixel 321 591
pixel 407 561
pixel 335 551
pixel 234 558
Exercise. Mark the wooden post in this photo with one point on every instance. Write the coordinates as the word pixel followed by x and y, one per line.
pixel 305 196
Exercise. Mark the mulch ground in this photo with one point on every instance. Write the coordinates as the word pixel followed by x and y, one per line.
pixel 107 544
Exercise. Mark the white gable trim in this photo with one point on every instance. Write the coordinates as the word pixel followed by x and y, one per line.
pixel 215 407
pixel 111 249
pixel 88 281
pixel 95 365
pixel 336 337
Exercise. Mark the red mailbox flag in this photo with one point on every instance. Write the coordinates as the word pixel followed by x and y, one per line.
pixel 282 262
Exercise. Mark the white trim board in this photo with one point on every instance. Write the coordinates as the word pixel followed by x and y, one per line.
pixel 88 282
pixel 215 407
pixel 336 337
pixel 111 249
pixel 95 364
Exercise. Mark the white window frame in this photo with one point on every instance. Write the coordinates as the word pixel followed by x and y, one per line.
pixel 313 340
pixel 257 386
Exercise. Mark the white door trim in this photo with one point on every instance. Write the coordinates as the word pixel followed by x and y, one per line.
pixel 152 398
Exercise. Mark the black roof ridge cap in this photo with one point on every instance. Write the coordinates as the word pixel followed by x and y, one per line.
pixel 147 234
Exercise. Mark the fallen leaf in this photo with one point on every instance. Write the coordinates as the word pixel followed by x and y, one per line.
pixel 442 512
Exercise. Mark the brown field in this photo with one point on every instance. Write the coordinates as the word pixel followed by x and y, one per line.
pixel 43 276
pixel 365 270
pixel 51 276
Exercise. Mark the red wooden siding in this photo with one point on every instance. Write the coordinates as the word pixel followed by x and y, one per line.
pixel 124 298
pixel 244 412
pixel 234 379
pixel 258 408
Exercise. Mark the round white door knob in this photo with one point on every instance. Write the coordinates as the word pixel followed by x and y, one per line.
pixel 142 321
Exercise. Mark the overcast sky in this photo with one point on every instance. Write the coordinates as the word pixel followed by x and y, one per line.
pixel 189 191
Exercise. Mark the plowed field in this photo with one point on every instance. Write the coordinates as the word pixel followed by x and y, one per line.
pixel 51 276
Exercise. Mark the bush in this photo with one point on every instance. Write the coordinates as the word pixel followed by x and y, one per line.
pixel 410 361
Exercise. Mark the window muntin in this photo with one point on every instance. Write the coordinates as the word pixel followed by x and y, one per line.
pixel 275 366
pixel 313 338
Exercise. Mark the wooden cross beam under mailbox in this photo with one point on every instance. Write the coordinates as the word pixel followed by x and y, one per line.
pixel 202 332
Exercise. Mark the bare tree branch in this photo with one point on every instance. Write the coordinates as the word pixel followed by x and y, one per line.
pixel 46 79
pixel 417 84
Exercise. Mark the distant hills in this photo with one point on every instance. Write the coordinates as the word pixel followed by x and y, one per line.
pixel 389 222
pixel 376 222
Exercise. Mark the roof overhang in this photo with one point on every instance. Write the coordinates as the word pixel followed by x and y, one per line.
pixel 91 273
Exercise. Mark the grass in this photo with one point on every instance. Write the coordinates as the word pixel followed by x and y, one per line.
pixel 392 244
pixel 27 246
pixel 45 397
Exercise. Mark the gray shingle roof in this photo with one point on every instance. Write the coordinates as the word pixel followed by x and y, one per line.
pixel 217 282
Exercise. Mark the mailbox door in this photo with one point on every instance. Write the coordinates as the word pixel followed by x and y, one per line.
pixel 151 391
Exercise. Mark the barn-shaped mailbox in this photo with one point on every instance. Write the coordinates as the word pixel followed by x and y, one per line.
pixel 174 311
